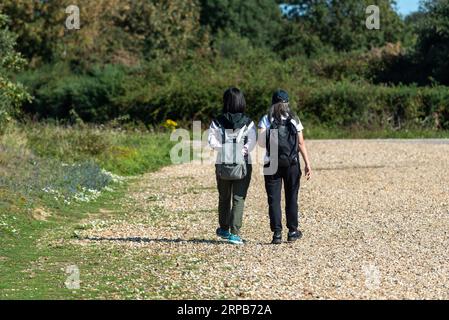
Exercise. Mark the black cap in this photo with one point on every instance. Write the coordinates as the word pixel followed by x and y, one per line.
pixel 280 96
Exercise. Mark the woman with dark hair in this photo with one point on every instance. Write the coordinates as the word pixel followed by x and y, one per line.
pixel 234 102
pixel 233 135
pixel 283 130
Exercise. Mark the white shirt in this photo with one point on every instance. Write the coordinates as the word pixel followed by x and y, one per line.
pixel 215 138
pixel 265 123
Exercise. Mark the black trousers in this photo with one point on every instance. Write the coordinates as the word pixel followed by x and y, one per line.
pixel 273 185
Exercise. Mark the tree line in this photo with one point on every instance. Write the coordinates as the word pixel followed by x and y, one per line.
pixel 152 59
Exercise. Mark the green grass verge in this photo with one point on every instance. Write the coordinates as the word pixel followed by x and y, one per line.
pixel 31 269
pixel 34 268
pixel 121 152
pixel 34 259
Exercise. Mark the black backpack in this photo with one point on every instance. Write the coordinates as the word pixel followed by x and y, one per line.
pixel 287 142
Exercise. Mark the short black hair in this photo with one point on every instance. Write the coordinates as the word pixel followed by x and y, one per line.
pixel 234 101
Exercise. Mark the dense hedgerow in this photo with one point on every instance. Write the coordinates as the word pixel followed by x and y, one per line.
pixel 321 91
pixel 372 107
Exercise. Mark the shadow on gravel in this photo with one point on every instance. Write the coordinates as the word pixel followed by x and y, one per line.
pixel 165 240
pixel 148 240
pixel 349 168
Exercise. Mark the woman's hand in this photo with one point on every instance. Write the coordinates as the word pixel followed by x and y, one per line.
pixel 308 172
pixel 245 151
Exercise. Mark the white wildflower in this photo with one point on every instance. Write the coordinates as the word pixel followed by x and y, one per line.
pixel 115 178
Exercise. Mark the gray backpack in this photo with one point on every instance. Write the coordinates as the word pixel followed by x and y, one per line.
pixel 231 164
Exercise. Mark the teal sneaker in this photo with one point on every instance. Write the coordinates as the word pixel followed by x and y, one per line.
pixel 235 239
pixel 224 234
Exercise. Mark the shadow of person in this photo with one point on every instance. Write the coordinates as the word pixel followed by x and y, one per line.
pixel 148 240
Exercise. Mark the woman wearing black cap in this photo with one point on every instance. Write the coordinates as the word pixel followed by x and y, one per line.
pixel 283 138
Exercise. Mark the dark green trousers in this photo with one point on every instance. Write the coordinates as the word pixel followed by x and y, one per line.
pixel 231 202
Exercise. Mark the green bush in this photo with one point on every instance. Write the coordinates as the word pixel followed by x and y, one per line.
pixel 331 91
pixel 60 92
pixel 373 107
pixel 12 94
pixel 433 41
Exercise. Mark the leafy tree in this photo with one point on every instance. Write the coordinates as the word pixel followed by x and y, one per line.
pixel 117 31
pixel 303 32
pixel 341 24
pixel 410 33
pixel 298 40
pixel 433 40
pixel 258 20
pixel 161 27
pixel 34 23
pixel 12 94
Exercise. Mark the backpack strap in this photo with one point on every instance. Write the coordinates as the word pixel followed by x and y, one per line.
pixel 219 123
pixel 268 134
pixel 294 132
pixel 273 125
pixel 249 124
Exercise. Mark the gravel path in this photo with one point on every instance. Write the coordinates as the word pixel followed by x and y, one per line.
pixel 375 219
